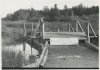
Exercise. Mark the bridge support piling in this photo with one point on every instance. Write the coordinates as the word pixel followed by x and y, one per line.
pixel 43 29
pixel 87 33
pixel 76 26
pixel 58 30
pixel 32 58
pixel 24 42
pixel 69 27
pixel 31 44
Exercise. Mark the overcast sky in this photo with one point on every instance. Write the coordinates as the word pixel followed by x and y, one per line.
pixel 9 6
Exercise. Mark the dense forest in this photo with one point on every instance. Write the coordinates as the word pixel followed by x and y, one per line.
pixel 53 14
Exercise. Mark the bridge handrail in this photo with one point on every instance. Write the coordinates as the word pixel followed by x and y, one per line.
pixel 38 25
pixel 83 21
pixel 92 45
pixel 88 25
pixel 79 20
pixel 43 54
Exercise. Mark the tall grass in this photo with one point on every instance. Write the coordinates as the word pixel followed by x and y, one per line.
pixel 11 59
pixel 14 56
pixel 12 32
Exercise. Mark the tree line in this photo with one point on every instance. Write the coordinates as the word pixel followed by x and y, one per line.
pixel 52 14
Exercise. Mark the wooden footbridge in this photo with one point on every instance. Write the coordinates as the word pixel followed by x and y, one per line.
pixel 80 54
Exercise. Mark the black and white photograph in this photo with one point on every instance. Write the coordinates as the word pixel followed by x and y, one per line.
pixel 50 34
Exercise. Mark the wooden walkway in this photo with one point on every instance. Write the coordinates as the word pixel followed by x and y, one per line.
pixel 80 56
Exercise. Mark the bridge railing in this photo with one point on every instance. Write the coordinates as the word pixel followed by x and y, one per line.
pixel 78 25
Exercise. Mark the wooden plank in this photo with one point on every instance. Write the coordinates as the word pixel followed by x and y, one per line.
pixel 92 30
pixel 31 38
pixel 64 41
pixel 79 35
pixel 92 36
pixel 83 21
pixel 35 31
pixel 43 30
pixel 24 43
pixel 44 59
pixel 42 54
pixel 76 26
pixel 80 26
pixel 31 44
pixel 58 30
pixel 38 25
pixel 32 30
pixel 87 33
pixel 71 27
pixel 24 30
pixel 65 33
pixel 92 45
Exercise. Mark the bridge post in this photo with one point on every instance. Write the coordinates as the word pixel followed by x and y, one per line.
pixel 43 30
pixel 76 26
pixel 32 31
pixel 31 44
pixel 80 26
pixel 69 27
pixel 42 22
pixel 58 30
pixel 31 38
pixel 24 42
pixel 92 31
pixel 87 33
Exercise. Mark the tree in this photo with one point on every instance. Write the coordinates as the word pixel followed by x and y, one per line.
pixel 71 12
pixel 56 11
pixel 65 11
pixel 33 13
pixel 45 11
pixel 23 15
pixel 52 14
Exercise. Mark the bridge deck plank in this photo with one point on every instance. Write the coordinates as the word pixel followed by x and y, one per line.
pixel 80 35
